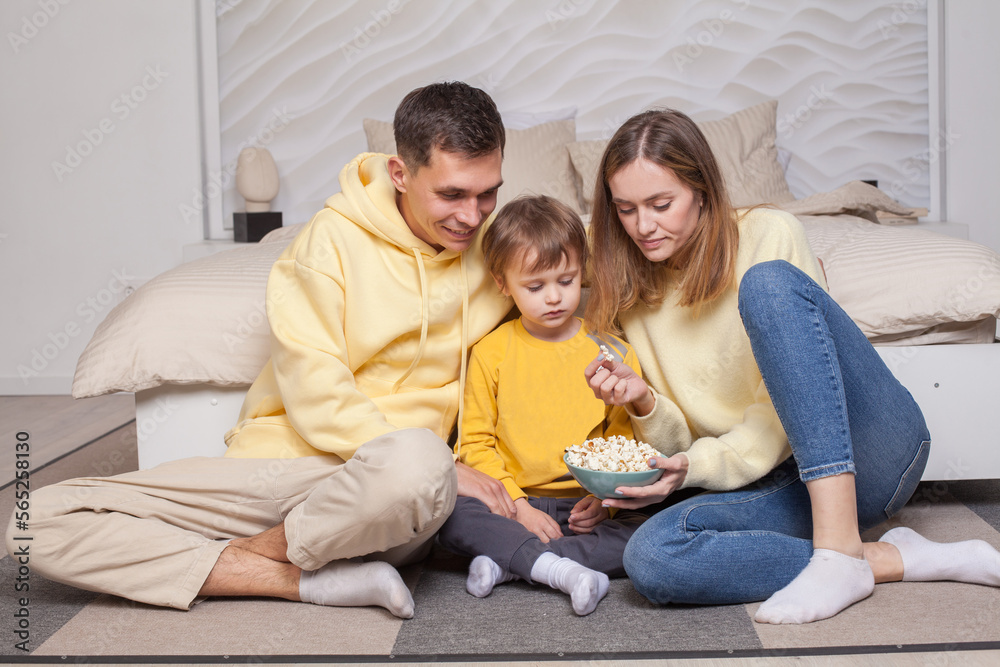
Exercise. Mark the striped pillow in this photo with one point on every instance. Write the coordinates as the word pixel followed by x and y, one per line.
pixel 897 280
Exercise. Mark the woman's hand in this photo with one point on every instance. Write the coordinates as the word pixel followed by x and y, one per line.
pixel 586 514
pixel 674 471
pixel 491 491
pixel 537 521
pixel 615 383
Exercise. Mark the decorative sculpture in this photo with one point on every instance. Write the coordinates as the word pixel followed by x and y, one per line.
pixel 257 181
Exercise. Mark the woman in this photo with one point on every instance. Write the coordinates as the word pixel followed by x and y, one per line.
pixel 742 345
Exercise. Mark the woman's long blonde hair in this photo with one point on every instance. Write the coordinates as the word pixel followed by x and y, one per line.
pixel 620 275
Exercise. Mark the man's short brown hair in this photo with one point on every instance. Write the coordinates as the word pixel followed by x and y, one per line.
pixel 451 116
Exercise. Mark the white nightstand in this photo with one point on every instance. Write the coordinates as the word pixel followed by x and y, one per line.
pixel 205 248
pixel 957 229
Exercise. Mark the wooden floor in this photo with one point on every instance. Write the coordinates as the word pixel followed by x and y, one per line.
pixel 58 425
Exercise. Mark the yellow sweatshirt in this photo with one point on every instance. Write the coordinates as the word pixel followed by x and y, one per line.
pixel 369 328
pixel 526 400
pixel 710 398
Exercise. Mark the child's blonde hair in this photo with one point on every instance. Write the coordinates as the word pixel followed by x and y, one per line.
pixel 534 223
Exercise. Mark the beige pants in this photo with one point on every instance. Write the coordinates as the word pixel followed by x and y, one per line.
pixel 154 535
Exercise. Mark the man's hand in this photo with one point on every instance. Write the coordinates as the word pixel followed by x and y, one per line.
pixel 475 484
pixel 615 383
pixel 674 472
pixel 537 521
pixel 586 514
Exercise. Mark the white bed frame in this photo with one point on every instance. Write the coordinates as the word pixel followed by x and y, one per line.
pixel 956 386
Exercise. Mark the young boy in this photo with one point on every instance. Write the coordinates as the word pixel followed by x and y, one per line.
pixel 526 400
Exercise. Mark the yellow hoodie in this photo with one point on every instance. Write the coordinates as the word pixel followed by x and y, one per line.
pixel 369 328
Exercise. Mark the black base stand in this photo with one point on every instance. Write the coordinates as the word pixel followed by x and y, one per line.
pixel 252 227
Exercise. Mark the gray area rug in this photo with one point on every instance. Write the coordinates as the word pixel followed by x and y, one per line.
pixel 519 618
pixel 517 621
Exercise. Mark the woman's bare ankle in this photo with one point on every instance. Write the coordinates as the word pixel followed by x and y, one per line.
pixel 885 561
pixel 847 544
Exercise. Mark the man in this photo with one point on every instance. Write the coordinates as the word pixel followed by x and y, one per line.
pixel 337 470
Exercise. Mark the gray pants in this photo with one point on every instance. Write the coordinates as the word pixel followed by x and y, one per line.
pixel 472 530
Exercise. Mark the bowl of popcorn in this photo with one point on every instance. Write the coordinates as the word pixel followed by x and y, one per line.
pixel 602 465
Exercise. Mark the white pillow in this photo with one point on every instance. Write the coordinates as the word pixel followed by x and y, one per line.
pixel 743 144
pixel 535 159
pixel 899 280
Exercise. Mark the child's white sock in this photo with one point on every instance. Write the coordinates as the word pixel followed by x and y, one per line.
pixel 585 587
pixel 343 583
pixel 971 561
pixel 830 583
pixel 484 574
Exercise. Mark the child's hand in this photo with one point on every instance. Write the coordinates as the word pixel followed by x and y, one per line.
pixel 492 492
pixel 537 521
pixel 615 383
pixel 586 514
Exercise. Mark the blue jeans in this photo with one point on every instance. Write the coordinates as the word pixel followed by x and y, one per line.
pixel 843 411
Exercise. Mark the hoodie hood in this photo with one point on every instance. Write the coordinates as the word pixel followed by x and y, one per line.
pixel 368 198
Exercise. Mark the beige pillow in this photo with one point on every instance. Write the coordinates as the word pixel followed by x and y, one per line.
pixel 854 198
pixel 201 322
pixel 899 281
pixel 204 321
pixel 380 136
pixel 586 158
pixel 743 144
pixel 535 159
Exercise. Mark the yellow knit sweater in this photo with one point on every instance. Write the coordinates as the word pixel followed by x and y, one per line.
pixel 710 399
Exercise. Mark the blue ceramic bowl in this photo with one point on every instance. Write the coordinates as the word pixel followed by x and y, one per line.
pixel 603 484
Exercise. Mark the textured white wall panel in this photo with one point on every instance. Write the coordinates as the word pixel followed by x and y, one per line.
pixel 851 78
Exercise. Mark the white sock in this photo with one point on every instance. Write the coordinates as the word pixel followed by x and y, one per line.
pixel 971 561
pixel 343 583
pixel 484 574
pixel 585 587
pixel 830 583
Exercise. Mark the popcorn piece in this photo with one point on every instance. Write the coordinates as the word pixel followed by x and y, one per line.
pixel 614 454
pixel 607 353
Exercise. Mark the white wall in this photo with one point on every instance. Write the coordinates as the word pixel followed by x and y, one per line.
pixel 970 143
pixel 109 90
pixel 851 78
pixel 65 64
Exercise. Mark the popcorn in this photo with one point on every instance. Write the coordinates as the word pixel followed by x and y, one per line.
pixel 614 454
pixel 607 353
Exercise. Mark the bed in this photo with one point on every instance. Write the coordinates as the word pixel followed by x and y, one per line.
pixel 189 342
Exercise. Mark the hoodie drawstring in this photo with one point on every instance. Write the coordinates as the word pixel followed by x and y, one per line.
pixel 465 353
pixel 424 320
